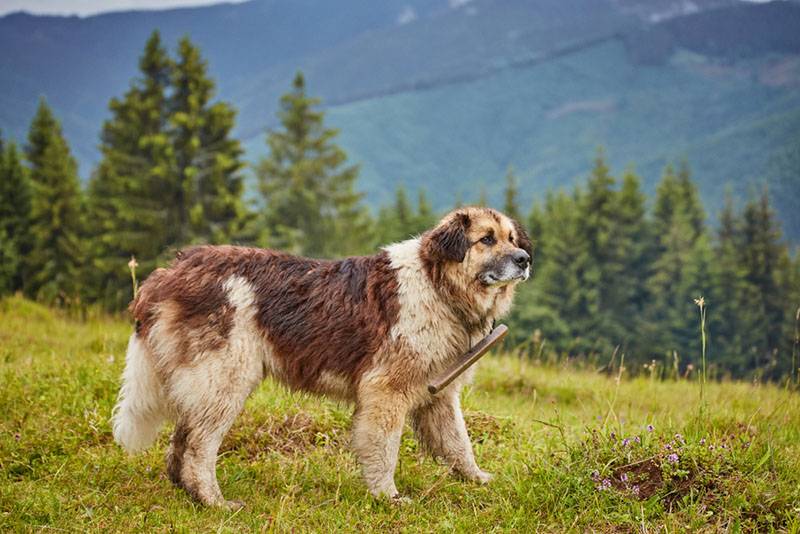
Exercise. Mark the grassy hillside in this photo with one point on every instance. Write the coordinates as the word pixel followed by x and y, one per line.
pixel 570 449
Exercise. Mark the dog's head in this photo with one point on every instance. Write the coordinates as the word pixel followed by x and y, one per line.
pixel 479 250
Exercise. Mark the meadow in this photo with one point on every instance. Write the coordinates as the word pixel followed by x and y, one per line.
pixel 572 449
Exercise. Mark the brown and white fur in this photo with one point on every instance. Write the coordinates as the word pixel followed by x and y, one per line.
pixel 372 330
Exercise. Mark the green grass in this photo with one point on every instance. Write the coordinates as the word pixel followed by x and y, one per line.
pixel 552 436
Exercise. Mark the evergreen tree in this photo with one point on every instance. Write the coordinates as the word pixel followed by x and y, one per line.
pixel 208 186
pixel 764 258
pixel 732 318
pixel 511 204
pixel 311 203
pixel 632 237
pixel 680 269
pixel 15 213
pixel 54 263
pixel 131 189
pixel 425 218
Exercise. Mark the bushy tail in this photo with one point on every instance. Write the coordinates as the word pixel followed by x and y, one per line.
pixel 140 410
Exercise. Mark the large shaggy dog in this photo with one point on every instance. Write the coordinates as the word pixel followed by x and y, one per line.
pixel 373 330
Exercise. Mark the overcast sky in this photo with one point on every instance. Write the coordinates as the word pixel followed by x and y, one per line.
pixel 89 7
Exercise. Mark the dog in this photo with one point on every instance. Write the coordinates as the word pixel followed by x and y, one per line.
pixel 372 330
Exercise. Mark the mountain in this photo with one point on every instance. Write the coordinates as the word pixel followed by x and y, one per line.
pixel 447 95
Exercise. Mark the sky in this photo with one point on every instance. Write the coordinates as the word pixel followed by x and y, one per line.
pixel 90 7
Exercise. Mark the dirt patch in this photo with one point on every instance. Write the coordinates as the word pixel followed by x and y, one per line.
pixel 289 434
pixel 482 426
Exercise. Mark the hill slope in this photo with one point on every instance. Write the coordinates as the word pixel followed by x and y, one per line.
pixel 447 95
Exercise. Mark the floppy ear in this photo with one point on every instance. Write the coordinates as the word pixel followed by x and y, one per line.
pixel 523 241
pixel 449 242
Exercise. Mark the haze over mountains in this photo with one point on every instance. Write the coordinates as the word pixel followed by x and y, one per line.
pixel 446 95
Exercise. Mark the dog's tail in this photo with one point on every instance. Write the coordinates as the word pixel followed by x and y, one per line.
pixel 140 410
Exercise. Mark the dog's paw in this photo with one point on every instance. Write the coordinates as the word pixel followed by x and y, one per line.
pixel 233 506
pixel 399 499
pixel 482 477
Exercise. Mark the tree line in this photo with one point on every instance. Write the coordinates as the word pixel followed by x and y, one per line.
pixel 613 272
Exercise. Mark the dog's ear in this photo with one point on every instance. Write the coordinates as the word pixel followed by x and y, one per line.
pixel 449 242
pixel 523 241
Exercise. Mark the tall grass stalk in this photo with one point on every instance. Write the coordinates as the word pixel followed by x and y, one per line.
pixel 701 303
pixel 132 265
pixel 796 348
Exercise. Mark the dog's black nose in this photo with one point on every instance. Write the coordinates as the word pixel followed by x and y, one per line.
pixel 521 258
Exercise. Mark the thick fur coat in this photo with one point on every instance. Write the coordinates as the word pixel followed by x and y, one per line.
pixel 372 330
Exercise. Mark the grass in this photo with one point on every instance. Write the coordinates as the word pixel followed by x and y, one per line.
pixel 571 450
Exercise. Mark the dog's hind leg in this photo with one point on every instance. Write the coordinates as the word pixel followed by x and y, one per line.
pixel 377 427
pixel 441 430
pixel 208 397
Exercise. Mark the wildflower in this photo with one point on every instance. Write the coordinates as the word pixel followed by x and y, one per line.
pixel 650 428
pixel 613 435
pixel 604 485
pixel 624 477
pixel 635 490
pixel 673 458
pixel 680 438
pixel 637 439
pixel 702 441
pixel 701 302
pixel 626 442
pixel 668 447
pixel 595 475
pixel 17 436
pixel 133 264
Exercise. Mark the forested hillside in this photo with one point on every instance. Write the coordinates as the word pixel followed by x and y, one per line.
pixel 450 94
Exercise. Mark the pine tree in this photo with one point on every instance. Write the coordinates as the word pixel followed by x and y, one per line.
pixel 511 204
pixel 632 238
pixel 680 269
pixel 599 258
pixel 311 203
pixel 130 191
pixel 208 186
pixel 54 263
pixel 764 257
pixel 425 218
pixel 731 320
pixel 15 213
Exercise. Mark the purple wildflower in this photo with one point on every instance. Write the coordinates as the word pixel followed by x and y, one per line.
pixel 626 442
pixel 702 441
pixel 635 490
pixel 650 428
pixel 624 477
pixel 613 435
pixel 673 458
pixel 668 446
pixel 604 485
pixel 637 439
pixel 595 475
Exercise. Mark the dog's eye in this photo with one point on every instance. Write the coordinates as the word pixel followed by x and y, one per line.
pixel 488 240
pixel 511 239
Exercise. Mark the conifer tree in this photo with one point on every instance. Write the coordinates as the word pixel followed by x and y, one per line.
pixel 425 218
pixel 54 263
pixel 311 203
pixel 732 319
pixel 511 204
pixel 680 269
pixel 15 213
pixel 632 239
pixel 208 186
pixel 764 258
pixel 130 191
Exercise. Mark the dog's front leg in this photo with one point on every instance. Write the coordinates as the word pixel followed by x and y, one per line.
pixel 377 427
pixel 441 430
